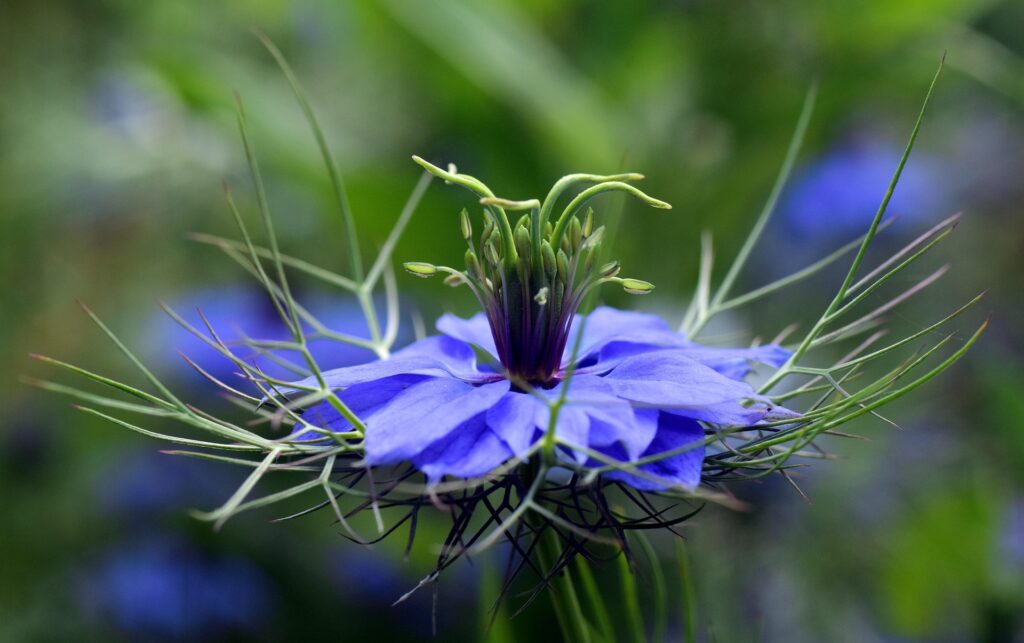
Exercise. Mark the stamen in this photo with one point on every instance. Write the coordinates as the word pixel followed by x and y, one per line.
pixel 534 275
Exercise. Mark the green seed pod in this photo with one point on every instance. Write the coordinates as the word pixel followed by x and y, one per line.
pixel 562 262
pixel 610 269
pixel 467 227
pixel 523 243
pixel 454 281
pixel 420 269
pixel 588 222
pixel 485 236
pixel 594 240
pixel 491 253
pixel 473 264
pixel 548 229
pixel 575 233
pixel 523 222
pixel 548 256
pixel 637 286
pixel 557 292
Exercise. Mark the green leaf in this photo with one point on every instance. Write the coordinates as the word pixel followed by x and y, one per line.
pixel 332 169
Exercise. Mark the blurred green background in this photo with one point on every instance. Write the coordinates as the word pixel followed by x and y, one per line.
pixel 116 130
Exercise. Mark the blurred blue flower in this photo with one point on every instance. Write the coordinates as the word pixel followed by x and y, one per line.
pixel 837 195
pixel 373 580
pixel 165 588
pixel 1011 544
pixel 241 311
pixel 27 445
pixel 368 576
pixel 120 102
pixel 147 484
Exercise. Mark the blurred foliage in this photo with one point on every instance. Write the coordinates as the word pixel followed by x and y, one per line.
pixel 116 130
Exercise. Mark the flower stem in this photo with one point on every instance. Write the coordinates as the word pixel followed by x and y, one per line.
pixel 689 604
pixel 593 594
pixel 564 600
pixel 660 593
pixel 636 621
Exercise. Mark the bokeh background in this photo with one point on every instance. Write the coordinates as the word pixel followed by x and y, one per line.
pixel 116 130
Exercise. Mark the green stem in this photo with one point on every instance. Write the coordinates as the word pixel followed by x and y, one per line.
pixel 851 274
pixel 563 596
pixel 636 620
pixel 496 626
pixel 332 169
pixel 597 606
pixel 795 144
pixel 581 199
pixel 689 603
pixel 660 594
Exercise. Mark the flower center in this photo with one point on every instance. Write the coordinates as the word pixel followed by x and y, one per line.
pixel 531 277
pixel 531 299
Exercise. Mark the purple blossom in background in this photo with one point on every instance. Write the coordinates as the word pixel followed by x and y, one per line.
pixel 124 104
pixel 163 588
pixel 238 312
pixel 145 484
pixel 373 579
pixel 28 445
pixel 836 195
pixel 638 389
pixel 368 577
pixel 1011 543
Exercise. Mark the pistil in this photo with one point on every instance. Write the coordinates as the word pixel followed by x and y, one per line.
pixel 531 278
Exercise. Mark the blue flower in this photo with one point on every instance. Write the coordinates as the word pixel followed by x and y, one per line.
pixel 148 484
pixel 238 312
pixel 837 195
pixel 165 588
pixel 618 387
pixel 637 389
pixel 1011 541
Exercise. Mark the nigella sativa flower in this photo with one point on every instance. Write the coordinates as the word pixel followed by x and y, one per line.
pixel 165 588
pixel 632 387
pixel 146 485
pixel 241 313
pixel 835 195
pixel 540 416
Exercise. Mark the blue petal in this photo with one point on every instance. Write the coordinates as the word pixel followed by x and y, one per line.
pixel 362 399
pixel 592 417
pixel 472 449
pixel 573 427
pixel 522 418
pixel 674 434
pixel 728 413
pixel 438 356
pixel 668 379
pixel 475 330
pixel 423 414
pixel 606 325
pixel 515 419
pixel 611 419
pixel 633 437
pixel 610 356
pixel 735 363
